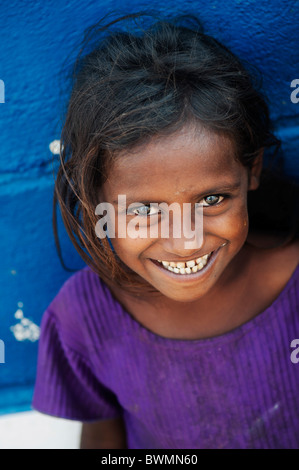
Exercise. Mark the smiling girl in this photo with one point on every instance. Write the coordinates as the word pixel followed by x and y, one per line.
pixel 152 344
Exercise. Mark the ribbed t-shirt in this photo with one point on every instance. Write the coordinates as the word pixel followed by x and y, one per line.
pixel 236 390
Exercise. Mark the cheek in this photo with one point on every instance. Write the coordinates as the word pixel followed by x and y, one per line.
pixel 129 250
pixel 133 239
pixel 231 225
pixel 239 224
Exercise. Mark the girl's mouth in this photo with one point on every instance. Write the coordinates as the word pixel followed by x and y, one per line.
pixel 188 270
pixel 187 267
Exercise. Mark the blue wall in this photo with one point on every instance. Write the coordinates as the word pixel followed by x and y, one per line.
pixel 35 38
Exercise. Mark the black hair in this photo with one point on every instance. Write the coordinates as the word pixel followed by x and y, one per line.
pixel 138 81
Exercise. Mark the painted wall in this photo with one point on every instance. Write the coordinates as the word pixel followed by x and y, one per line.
pixel 35 38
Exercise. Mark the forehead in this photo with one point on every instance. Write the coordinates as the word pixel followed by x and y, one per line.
pixel 180 162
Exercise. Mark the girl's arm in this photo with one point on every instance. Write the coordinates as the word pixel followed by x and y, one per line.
pixel 106 434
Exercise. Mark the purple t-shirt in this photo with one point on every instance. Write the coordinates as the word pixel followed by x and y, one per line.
pixel 236 390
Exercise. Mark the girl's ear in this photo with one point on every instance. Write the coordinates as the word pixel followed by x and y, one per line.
pixel 255 172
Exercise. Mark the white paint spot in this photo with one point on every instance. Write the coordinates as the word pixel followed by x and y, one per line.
pixel 19 313
pixel 55 147
pixel 26 329
pixel 2 91
pixel 2 352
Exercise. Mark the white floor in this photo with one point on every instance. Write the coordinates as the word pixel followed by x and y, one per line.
pixel 33 430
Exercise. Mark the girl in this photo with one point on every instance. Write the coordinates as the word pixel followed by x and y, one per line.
pixel 156 344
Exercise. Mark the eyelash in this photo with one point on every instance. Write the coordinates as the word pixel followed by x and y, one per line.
pixel 224 196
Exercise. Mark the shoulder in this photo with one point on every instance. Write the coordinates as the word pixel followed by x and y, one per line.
pixel 287 259
pixel 272 269
pixel 80 289
pixel 268 248
pixel 285 256
pixel 80 306
pixel 292 249
pixel 76 288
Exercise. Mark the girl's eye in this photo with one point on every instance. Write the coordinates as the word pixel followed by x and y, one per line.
pixel 212 200
pixel 149 209
pixel 144 211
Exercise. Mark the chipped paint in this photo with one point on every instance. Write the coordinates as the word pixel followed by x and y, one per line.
pixel 2 352
pixel 55 147
pixel 25 329
pixel 2 92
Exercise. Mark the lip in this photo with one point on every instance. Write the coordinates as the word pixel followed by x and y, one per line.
pixel 188 278
pixel 186 260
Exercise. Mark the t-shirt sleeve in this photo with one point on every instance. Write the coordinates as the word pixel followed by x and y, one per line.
pixel 66 385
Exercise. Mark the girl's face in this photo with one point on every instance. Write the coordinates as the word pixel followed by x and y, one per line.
pixel 190 166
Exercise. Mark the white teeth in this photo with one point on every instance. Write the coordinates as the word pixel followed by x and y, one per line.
pixel 190 264
pixel 186 268
pixel 180 265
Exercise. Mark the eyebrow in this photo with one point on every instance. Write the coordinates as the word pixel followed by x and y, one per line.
pixel 220 188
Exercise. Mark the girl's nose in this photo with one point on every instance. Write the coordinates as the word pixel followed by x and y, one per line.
pixel 184 244
pixel 180 247
pixel 185 234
